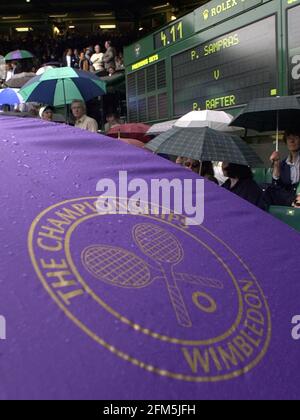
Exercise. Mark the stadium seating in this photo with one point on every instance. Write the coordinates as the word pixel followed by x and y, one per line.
pixel 288 215
pixel 259 175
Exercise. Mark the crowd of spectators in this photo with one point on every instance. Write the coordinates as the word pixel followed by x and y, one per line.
pixel 48 48
pixel 105 58
pixel 238 179
pixel 89 53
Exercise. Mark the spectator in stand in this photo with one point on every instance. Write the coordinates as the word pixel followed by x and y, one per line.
pixel 112 120
pixel 296 203
pixel 9 72
pixel 119 63
pixel 83 62
pixel 82 121
pixel 109 56
pixel 286 173
pixel 240 182
pixel 204 169
pixel 69 59
pixel 88 55
pixel 46 113
pixel 111 71
pixel 17 67
pixel 76 58
pixel 97 60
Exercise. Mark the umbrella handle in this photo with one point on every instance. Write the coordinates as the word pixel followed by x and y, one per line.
pixel 277 132
pixel 200 168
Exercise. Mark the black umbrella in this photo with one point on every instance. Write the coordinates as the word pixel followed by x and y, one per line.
pixel 270 114
pixel 205 144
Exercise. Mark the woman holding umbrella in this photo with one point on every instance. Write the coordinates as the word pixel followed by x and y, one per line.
pixel 286 173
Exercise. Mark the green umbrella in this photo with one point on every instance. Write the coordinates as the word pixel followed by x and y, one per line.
pixel 61 86
pixel 205 144
pixel 18 55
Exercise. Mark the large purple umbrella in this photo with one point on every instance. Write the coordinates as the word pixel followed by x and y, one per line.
pixel 135 306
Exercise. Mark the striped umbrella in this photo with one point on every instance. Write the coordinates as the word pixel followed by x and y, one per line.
pixel 18 55
pixel 61 86
pixel 10 97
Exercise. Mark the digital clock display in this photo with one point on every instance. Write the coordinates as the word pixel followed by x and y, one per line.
pixel 169 36
pixel 228 71
pixel 294 50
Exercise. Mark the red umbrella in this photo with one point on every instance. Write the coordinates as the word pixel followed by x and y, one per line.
pixel 134 131
pixel 134 142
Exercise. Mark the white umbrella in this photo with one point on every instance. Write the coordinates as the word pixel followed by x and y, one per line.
pixel 42 70
pixel 160 128
pixel 217 120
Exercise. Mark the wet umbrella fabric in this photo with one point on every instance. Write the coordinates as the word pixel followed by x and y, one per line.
pixel 86 294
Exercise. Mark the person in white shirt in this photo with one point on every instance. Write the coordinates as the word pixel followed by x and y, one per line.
pixel 68 60
pixel 97 59
pixel 9 72
pixel 82 121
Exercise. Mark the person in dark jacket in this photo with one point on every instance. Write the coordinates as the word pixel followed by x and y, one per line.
pixel 240 182
pixel 84 64
pixel 109 56
pixel 68 58
pixel 286 173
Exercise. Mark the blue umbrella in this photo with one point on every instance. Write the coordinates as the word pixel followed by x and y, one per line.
pixel 10 97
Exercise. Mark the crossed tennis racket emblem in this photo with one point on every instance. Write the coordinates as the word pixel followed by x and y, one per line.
pixel 122 268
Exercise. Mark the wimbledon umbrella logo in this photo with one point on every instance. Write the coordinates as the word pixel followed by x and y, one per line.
pixel 172 299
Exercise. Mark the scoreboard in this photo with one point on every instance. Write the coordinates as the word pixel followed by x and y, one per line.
pixel 220 56
pixel 227 71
